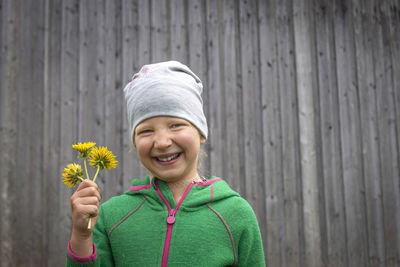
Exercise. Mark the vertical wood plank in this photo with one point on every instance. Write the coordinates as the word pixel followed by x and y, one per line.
pixel 30 135
pixel 197 61
pixel 254 172
pixel 388 141
pixel 254 190
pixel 311 212
pixel 112 93
pixel 364 18
pixel 214 87
pixel 130 46
pixel 330 137
pixel 292 254
pixel 53 241
pixel 394 20
pixel 91 90
pixel 178 31
pixel 69 107
pixel 9 82
pixel 130 29
pixel 145 52
pixel 272 148
pixel 230 121
pixel 160 31
pixel 94 38
pixel 350 133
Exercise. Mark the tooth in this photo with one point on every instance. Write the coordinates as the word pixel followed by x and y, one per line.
pixel 168 158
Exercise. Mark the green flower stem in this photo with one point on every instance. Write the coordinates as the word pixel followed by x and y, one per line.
pixel 87 175
pixel 94 180
pixel 89 223
pixel 95 177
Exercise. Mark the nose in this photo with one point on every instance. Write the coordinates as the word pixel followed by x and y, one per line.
pixel 162 140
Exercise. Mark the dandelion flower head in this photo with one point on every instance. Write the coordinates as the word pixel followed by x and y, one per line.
pixel 72 175
pixel 84 148
pixel 101 157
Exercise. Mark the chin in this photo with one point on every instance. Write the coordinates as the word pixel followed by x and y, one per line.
pixel 167 177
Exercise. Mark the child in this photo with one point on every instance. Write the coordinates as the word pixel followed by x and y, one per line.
pixel 173 216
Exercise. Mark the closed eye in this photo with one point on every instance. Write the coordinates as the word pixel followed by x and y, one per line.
pixel 177 125
pixel 143 132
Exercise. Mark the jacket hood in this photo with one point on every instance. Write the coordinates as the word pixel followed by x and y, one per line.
pixel 197 194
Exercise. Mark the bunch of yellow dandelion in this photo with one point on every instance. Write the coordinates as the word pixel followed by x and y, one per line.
pixel 100 158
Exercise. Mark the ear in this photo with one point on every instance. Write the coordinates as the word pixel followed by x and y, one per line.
pixel 202 139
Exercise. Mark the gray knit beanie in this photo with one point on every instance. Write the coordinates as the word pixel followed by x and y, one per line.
pixel 165 89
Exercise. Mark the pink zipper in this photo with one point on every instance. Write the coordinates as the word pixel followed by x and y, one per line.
pixel 170 222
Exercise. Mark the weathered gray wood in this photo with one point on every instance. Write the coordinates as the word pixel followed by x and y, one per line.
pixel 386 128
pixel 230 131
pixel 129 56
pixel 303 50
pixel 30 135
pixel 53 242
pixel 272 146
pixel 251 100
pixel 350 137
pixel 69 86
pixel 113 94
pixel 160 31
pixel 330 137
pixel 91 94
pixel 10 71
pixel 214 88
pixel 364 18
pixel 178 31
pixel 394 36
pixel 197 28
pixel 275 74
pixel 145 52
pixel 292 254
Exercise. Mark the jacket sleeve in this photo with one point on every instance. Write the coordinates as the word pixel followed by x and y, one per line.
pixel 250 247
pixel 102 255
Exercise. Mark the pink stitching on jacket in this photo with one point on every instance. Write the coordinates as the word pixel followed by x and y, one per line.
pixel 212 192
pixel 208 182
pixel 139 187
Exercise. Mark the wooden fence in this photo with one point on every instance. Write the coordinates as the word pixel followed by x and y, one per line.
pixel 302 100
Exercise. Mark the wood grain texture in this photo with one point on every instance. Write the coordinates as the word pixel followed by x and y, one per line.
pixel 365 17
pixel 272 145
pixel 331 163
pixel 292 254
pixel 10 71
pixel 302 100
pixel 304 52
pixel 354 190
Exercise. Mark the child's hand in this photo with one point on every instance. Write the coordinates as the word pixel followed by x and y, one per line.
pixel 84 204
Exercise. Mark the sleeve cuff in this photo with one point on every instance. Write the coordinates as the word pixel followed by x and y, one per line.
pixel 76 258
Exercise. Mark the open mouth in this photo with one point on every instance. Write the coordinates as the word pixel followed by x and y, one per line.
pixel 170 159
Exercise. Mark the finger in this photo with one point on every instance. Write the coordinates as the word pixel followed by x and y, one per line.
pixel 87 201
pixel 88 210
pixel 87 183
pixel 87 192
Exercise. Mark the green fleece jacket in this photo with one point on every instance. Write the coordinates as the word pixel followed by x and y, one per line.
pixel 211 226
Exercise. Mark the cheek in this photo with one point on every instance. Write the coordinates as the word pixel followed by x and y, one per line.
pixel 189 140
pixel 142 149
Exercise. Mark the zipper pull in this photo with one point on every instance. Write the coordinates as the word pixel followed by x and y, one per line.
pixel 171 217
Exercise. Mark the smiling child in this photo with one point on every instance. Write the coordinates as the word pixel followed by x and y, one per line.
pixel 172 217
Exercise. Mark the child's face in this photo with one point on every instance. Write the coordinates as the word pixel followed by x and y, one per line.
pixel 168 147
